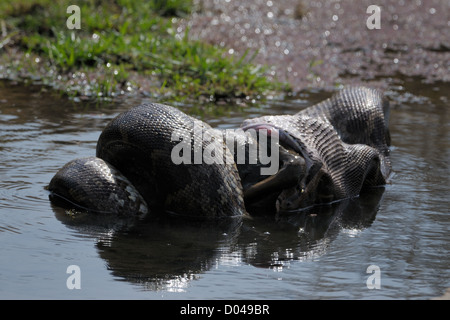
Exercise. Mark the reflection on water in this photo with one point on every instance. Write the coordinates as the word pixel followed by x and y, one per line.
pixel 322 252
pixel 166 255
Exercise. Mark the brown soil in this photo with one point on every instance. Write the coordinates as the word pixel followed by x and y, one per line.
pixel 327 43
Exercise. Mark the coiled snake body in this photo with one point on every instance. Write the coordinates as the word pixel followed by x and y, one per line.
pixel 327 152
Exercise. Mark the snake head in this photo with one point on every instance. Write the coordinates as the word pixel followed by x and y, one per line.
pixel 92 184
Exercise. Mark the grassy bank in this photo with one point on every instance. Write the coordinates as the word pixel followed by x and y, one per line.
pixel 121 46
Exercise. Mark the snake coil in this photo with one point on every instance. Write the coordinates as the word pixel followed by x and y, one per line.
pixel 329 151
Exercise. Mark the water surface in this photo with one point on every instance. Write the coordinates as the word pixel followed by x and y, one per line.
pixel 322 253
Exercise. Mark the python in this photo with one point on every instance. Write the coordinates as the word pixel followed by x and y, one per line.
pixel 327 152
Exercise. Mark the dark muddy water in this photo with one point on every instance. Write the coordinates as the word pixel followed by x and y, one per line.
pixel 323 253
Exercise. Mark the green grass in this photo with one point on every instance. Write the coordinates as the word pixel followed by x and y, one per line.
pixel 126 44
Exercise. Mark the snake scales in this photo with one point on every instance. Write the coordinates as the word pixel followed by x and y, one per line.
pixel 327 152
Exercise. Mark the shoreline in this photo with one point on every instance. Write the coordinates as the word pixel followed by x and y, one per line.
pixel 322 44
